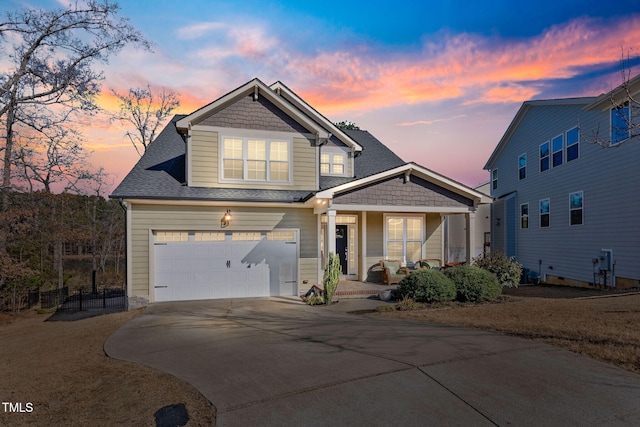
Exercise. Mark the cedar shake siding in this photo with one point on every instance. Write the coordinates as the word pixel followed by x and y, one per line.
pixel 395 192
pixel 249 114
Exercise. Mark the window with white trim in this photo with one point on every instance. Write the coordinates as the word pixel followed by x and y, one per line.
pixel 575 208
pixel 494 179
pixel 573 146
pixel 522 166
pixel 524 215
pixel 404 238
pixel 256 159
pixel 545 208
pixel 544 156
pixel 620 120
pixel 333 163
pixel 557 144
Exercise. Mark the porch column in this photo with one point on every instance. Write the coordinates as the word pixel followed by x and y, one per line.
pixel 363 247
pixel 331 232
pixel 470 220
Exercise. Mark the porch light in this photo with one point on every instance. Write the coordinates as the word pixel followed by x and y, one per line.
pixel 226 219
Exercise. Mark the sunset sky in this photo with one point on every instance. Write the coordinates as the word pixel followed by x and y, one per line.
pixel 436 81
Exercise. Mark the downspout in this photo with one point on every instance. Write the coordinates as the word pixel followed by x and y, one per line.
pixel 126 248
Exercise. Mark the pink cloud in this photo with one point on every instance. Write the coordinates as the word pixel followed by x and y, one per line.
pixel 456 67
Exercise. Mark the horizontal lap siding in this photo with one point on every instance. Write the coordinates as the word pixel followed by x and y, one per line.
pixel 204 159
pixel 305 165
pixel 433 244
pixel 194 218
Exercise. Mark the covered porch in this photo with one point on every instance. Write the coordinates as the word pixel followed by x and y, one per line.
pixel 395 215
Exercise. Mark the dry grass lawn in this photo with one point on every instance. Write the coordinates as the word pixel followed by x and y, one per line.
pixel 594 323
pixel 61 368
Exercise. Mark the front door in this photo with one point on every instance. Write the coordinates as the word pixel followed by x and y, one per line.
pixel 342 246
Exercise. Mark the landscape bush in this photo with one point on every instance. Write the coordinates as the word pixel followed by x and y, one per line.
pixel 506 269
pixel 426 285
pixel 473 284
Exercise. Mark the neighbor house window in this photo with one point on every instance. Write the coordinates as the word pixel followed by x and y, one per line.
pixel 544 212
pixel 494 179
pixel 573 148
pixel 333 163
pixel 524 215
pixel 544 156
pixel 522 166
pixel 558 150
pixel 575 207
pixel 404 237
pixel 620 117
pixel 255 159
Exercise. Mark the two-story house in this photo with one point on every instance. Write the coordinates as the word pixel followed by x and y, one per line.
pixel 565 180
pixel 246 196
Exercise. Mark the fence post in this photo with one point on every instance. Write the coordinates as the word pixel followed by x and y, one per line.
pixel 104 298
pixel 80 306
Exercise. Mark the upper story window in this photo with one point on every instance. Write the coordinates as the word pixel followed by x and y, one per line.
pixel 256 159
pixel 558 150
pixel 544 156
pixel 573 147
pixel 575 207
pixel 494 179
pixel 522 166
pixel 333 163
pixel 545 207
pixel 620 117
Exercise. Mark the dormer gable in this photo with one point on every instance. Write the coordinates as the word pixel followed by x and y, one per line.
pixel 254 89
pixel 282 90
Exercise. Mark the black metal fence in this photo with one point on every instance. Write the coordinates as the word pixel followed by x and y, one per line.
pixel 103 299
pixel 52 299
pixel 64 301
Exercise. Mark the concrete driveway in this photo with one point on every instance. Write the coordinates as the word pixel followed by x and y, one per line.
pixel 280 362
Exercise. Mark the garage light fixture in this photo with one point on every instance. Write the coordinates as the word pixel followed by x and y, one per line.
pixel 226 219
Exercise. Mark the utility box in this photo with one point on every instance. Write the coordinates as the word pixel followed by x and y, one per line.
pixel 606 259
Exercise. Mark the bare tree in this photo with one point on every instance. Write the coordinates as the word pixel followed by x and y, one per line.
pixel 48 159
pixel 47 73
pixel 146 111
pixel 624 106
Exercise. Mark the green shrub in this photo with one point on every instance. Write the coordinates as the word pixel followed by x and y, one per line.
pixel 473 283
pixel 426 285
pixel 314 300
pixel 506 269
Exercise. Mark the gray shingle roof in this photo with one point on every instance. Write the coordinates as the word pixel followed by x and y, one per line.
pixel 160 173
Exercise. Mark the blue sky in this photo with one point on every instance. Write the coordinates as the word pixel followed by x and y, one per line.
pixel 438 82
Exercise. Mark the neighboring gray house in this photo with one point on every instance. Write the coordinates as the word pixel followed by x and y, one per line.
pixel 245 196
pixel 565 207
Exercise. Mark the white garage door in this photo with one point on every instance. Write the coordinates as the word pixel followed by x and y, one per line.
pixel 213 265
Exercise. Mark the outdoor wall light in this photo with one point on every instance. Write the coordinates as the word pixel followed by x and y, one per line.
pixel 226 219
